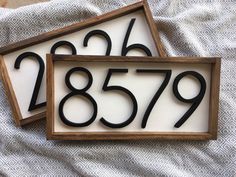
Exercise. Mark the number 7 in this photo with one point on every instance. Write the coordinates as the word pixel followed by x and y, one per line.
pixel 157 94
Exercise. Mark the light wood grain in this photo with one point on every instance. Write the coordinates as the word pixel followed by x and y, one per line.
pixel 10 93
pixel 214 101
pixel 15 4
pixel 50 96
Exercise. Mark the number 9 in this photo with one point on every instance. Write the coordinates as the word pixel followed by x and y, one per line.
pixel 196 100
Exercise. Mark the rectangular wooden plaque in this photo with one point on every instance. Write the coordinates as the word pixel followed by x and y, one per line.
pixel 108 98
pixel 126 31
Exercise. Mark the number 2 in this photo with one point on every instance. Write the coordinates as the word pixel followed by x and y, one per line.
pixel 34 97
pixel 101 33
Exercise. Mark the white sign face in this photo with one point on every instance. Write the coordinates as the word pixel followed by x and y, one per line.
pixel 130 97
pixel 116 106
pixel 128 35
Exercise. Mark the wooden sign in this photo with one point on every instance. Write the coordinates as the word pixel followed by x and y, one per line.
pixel 101 98
pixel 126 31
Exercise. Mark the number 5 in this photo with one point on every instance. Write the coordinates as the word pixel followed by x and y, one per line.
pixel 107 88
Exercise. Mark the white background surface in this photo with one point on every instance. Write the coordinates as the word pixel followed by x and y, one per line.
pixel 23 79
pixel 116 107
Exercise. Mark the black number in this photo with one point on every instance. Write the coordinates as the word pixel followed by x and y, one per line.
pixel 195 101
pixel 157 94
pixel 119 88
pixel 126 49
pixel 74 92
pixel 34 97
pixel 102 33
pixel 63 43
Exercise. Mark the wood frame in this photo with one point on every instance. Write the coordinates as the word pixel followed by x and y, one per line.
pixel 142 5
pixel 214 99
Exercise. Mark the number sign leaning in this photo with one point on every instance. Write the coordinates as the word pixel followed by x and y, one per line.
pixel 126 31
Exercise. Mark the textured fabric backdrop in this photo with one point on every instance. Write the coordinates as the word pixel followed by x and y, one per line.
pixel 188 27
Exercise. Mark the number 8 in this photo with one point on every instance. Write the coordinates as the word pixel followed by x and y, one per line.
pixel 74 92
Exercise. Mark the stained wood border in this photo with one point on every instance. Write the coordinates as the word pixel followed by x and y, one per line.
pixel 142 5
pixel 213 109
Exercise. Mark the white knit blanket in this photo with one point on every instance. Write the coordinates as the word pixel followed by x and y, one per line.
pixel 189 28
